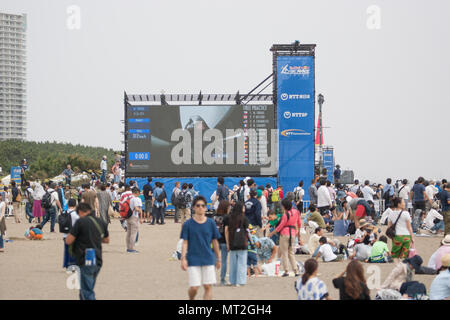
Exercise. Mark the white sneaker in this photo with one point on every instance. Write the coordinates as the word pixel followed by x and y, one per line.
pixel 136 244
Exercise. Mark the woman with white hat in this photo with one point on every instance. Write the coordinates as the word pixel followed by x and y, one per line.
pixel 443 250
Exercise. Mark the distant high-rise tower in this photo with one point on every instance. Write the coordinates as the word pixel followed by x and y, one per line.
pixel 13 111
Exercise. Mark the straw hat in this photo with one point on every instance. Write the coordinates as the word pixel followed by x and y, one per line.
pixel 446 241
pixel 445 260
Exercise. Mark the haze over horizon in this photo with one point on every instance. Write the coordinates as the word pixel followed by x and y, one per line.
pixel 385 90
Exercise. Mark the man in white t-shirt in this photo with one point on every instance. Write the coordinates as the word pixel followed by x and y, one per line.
pixel 134 220
pixel 324 202
pixel 367 191
pixel 51 213
pixel 326 252
pixel 431 191
pixel 404 191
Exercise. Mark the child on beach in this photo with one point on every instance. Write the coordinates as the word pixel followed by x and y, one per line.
pixel 252 256
pixel 34 233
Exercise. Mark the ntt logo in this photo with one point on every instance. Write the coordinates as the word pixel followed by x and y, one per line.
pixel 294 132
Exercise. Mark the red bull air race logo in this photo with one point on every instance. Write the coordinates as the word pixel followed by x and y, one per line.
pixel 296 70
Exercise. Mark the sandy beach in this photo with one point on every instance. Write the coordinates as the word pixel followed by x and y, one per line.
pixel 33 269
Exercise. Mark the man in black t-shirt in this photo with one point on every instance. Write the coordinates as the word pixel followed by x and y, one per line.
pixel 147 191
pixel 89 232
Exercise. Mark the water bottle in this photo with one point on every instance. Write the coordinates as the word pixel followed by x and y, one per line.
pixel 90 257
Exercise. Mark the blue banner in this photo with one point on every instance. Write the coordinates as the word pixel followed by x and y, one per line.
pixel 15 174
pixel 328 163
pixel 295 101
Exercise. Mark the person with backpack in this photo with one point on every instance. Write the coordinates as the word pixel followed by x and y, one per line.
pixel 388 192
pixel 66 221
pixel 222 192
pixel 289 229
pixel 29 202
pixel 298 196
pixel 236 235
pixel 158 204
pixel 51 204
pixel 194 194
pixel 277 196
pixel 199 235
pixel 85 240
pixel 16 194
pixel 134 217
pixel 222 211
pixel 268 194
pixel 183 199
pixel 241 191
pixel 175 191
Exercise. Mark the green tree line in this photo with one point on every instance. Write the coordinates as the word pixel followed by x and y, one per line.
pixel 49 159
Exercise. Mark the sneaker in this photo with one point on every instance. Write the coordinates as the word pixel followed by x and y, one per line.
pixel 285 275
pixel 136 244
pixel 132 251
pixel 297 275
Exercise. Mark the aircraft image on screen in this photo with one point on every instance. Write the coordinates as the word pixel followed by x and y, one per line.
pixel 164 120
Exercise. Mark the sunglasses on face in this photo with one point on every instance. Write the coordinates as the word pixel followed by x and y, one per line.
pixel 200 205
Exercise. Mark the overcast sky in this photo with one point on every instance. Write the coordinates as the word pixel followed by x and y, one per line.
pixel 386 90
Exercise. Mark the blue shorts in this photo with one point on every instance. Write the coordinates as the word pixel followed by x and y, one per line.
pixel 252 259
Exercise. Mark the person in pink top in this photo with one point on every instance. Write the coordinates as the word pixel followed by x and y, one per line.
pixel 443 250
pixel 289 229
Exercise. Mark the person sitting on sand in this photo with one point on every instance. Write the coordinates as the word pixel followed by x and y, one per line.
pixel 380 251
pixel 326 252
pixel 362 250
pixel 309 286
pixel 34 233
pixel 265 249
pixel 352 283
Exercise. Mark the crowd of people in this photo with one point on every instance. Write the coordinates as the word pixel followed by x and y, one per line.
pixel 251 227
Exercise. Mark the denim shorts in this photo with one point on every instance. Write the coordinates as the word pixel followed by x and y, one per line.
pixel 252 259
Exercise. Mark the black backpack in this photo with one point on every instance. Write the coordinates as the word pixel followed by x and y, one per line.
pixel 239 240
pixel 46 202
pixel 181 199
pixel 269 197
pixel 241 194
pixel 161 197
pixel 65 222
pixel 173 199
pixel 386 195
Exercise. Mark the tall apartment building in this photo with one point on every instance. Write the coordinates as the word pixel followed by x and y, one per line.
pixel 13 110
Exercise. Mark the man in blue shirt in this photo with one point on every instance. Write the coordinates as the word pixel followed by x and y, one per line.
pixel 253 210
pixel 158 206
pixel 418 195
pixel 337 174
pixel 197 257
